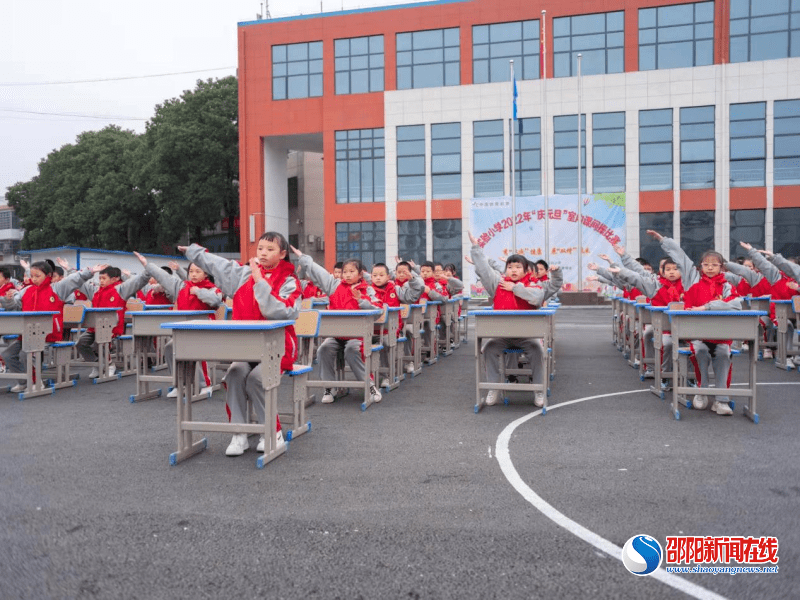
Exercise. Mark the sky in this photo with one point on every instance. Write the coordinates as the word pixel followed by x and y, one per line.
pixel 45 43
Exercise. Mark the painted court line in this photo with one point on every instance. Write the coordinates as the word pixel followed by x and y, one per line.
pixel 504 458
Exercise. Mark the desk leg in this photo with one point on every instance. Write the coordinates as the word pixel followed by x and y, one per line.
pixel 141 350
pixel 271 449
pixel 750 409
pixel 675 358
pixel 35 378
pixel 299 400
pixel 184 382
pixel 478 370
pixel 657 388
pixel 104 361
pixel 366 345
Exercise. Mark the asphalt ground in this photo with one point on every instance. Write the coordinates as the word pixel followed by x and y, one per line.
pixel 405 500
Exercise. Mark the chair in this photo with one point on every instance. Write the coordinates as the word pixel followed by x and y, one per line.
pixel 306 327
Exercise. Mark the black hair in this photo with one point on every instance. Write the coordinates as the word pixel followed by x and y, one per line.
pixel 643 262
pixel 543 262
pixel 44 266
pixel 668 261
pixel 6 272
pixel 518 259
pixel 713 254
pixel 58 271
pixel 167 269
pixel 428 264
pixel 438 264
pixel 51 263
pixel 274 236
pixel 352 261
pixel 404 263
pixel 451 267
pixel 112 272
pixel 380 264
pixel 338 265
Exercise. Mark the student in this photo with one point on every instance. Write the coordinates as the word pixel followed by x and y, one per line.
pixel 403 275
pixel 196 293
pixel 350 292
pixel 454 285
pixel 337 270
pixel 5 281
pixel 540 270
pixel 156 294
pixel 266 288
pixel 514 291
pixel 436 291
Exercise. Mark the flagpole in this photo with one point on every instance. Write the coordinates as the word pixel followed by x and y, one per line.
pixel 580 199
pixel 543 137
pixel 513 161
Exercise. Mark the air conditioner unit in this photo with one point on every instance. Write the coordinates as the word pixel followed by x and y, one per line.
pixel 311 238
pixel 320 244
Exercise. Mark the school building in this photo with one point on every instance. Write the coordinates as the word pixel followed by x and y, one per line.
pixel 692 109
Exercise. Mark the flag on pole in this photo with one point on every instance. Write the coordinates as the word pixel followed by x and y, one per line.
pixel 515 97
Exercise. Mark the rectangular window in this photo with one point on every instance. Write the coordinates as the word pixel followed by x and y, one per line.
pixel 359 65
pixel 411 162
pixel 748 144
pixel 297 71
pixel 488 158
pixel 5 219
pixel 428 59
pixel 697 233
pixel 676 36
pixel 649 248
pixel 565 148
pixel 360 172
pixel 294 193
pixel 608 152
pixel 446 161
pixel 494 45
pixel 747 225
pixel 786 231
pixel 447 242
pixel 412 240
pixel 697 148
pixel 527 157
pixel 764 29
pixel 787 142
pixel 364 241
pixel 600 38
pixel 655 150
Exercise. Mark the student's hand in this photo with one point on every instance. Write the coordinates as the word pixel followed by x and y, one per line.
pixel 469 260
pixel 472 239
pixel 412 263
pixel 141 258
pixel 619 249
pixel 183 249
pixel 98 268
pixel 125 272
pixel 592 278
pixel 174 265
pixel 592 266
pixel 698 308
pixel 767 253
pixel 296 251
pixel 614 270
pixel 397 260
pixel 356 293
pixel 195 291
pixel 507 285
pixel 24 264
pixel 793 286
pixel 655 234
pixel 10 294
pixel 427 289
pixel 554 268
pixel 605 258
pixel 255 270
pixel 62 263
pixel 746 246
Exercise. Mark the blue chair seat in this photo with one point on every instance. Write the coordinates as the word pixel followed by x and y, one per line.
pixel 299 370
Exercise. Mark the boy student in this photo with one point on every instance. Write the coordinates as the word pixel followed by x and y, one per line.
pixel 5 281
pixel 196 293
pixel 403 274
pixel 337 270
pixel 436 291
pixel 514 291
pixel 265 288
pixel 350 292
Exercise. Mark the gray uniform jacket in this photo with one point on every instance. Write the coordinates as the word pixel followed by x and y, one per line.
pixel 328 283
pixel 64 289
pixel 786 266
pixel 173 284
pixel 126 289
pixel 535 295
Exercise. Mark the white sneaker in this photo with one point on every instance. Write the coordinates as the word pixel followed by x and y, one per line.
pixel 385 382
pixel 745 347
pixel 649 374
pixel 207 391
pixel 410 368
pixel 94 373
pixel 173 393
pixel 262 442
pixel 20 387
pixel 327 397
pixel 767 353
pixel 636 363
pixel 238 445
pixel 375 395
pixel 538 398
pixel 112 370
pixel 722 408
pixel 700 402
pixel 492 397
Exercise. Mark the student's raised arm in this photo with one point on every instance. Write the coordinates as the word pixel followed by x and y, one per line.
pixel 229 276
pixel 171 283
pixel 178 270
pixel 749 275
pixel 455 286
pixel 689 273
pixel 411 290
pixel 770 272
pixel 316 273
pixel 646 284
pixel 75 280
pixel 787 267
pixel 632 264
pixel 490 278
pixel 129 288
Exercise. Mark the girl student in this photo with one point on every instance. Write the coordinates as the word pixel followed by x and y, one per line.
pixel 265 288
pixel 350 292
pixel 198 292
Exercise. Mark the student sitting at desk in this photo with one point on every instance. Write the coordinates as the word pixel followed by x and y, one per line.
pixel 264 289
pixel 350 292
pixel 436 291
pixel 514 291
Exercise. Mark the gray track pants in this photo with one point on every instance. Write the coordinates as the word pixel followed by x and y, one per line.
pixel 493 351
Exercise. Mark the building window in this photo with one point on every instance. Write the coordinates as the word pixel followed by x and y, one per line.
pixel 655 150
pixel 649 248
pixel 565 147
pixel 487 158
pixel 787 142
pixel 748 144
pixel 447 242
pixel 671 37
pixel 494 45
pixel 359 65
pixel 360 169
pixel 747 225
pixel 528 157
pixel 446 161
pixel 764 30
pixel 697 233
pixel 608 152
pixel 600 38
pixel 294 192
pixel 412 240
pixel 297 71
pixel 411 162
pixel 9 219
pixel 363 241
pixel 786 231
pixel 697 147
pixel 428 59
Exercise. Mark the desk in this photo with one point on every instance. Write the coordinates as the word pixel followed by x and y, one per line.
pixel 356 324
pixel 762 303
pixel 249 341
pixel 388 332
pixel 628 316
pixel 449 323
pixel 660 321
pixel 643 319
pixel 616 321
pixel 146 328
pixel 34 327
pixel 716 325
pixel 414 325
pixel 534 324
pixel 784 314
pixel 430 325
pixel 103 321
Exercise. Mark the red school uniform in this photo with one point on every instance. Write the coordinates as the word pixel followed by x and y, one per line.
pixel 188 301
pixel 6 286
pixel 437 287
pixel 157 296
pixel 108 297
pixel 505 300
pixel 670 291
pixel 706 290
pixel 388 295
pixel 43 298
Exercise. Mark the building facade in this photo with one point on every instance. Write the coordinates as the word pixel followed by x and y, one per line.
pixel 692 109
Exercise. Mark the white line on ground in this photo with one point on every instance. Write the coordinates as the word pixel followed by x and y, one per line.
pixel 560 519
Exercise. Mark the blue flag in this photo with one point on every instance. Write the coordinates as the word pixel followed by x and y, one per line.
pixel 515 97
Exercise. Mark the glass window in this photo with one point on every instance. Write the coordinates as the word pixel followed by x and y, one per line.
pixel 655 150
pixel 649 248
pixel 787 142
pixel 488 158
pixel 297 71
pixel 360 170
pixel 494 45
pixel 598 37
pixel 411 241
pixel 411 162
pixel 762 30
pixel 697 233
pixel 786 231
pixel 363 241
pixel 608 152
pixel 428 59
pixel 447 242
pixel 748 144
pixel 676 36
pixel 697 147
pixel 565 148
pixel 527 157
pixel 359 65
pixel 747 225
pixel 446 161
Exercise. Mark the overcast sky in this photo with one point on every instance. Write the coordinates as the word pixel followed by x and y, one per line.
pixel 47 41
